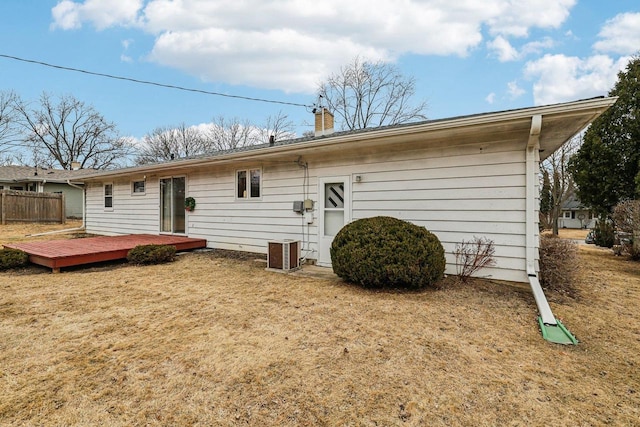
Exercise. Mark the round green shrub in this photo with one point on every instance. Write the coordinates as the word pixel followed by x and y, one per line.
pixel 151 254
pixel 385 252
pixel 13 258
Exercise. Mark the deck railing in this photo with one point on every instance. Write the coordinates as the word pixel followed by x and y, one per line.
pixel 28 206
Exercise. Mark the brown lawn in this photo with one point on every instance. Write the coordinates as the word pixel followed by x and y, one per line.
pixel 216 341
pixel 570 233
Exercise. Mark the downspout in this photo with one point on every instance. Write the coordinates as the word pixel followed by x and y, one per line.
pixel 84 196
pixel 551 328
pixel 66 230
pixel 533 148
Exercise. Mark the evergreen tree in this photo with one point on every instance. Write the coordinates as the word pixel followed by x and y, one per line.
pixel 606 169
pixel 546 202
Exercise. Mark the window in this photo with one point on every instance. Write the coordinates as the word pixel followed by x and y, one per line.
pixel 567 214
pixel 16 187
pixel 138 187
pixel 248 184
pixel 108 196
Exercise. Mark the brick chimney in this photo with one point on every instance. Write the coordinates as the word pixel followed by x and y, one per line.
pixel 324 121
pixel 75 166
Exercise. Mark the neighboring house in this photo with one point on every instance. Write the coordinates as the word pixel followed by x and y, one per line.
pixel 459 177
pixel 42 180
pixel 573 214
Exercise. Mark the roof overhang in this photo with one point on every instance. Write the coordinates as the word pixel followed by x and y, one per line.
pixel 560 122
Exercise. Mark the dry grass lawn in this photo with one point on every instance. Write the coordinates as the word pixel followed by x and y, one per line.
pixel 573 233
pixel 215 341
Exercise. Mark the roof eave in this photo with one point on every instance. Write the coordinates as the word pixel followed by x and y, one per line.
pixel 595 105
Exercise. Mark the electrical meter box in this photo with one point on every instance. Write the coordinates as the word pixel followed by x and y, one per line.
pixel 308 205
pixel 298 206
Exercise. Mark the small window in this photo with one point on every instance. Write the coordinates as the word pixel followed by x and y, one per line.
pixel 108 196
pixel 248 184
pixel 138 187
pixel 567 214
pixel 16 187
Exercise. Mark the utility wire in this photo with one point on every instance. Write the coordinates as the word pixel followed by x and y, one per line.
pixel 146 82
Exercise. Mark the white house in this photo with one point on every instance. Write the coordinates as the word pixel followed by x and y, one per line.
pixel 573 214
pixel 459 177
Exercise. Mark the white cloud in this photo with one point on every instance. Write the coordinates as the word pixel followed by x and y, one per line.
pixel 292 44
pixel 219 55
pixel 66 16
pixel 125 58
pixel 516 18
pixel 505 52
pixel 69 15
pixel 560 78
pixel 537 47
pixel 515 90
pixel 620 35
pixel 503 49
pixel 491 98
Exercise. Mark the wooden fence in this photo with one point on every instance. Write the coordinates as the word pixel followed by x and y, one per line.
pixel 27 206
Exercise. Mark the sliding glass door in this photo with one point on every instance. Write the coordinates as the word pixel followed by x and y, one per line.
pixel 172 214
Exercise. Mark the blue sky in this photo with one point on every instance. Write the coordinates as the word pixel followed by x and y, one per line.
pixel 466 56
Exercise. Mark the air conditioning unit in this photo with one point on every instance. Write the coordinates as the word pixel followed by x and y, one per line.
pixel 283 255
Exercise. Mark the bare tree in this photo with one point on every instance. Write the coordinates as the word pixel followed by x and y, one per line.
pixel 370 94
pixel 66 130
pixel 8 121
pixel 562 184
pixel 167 143
pixel 226 134
pixel 278 126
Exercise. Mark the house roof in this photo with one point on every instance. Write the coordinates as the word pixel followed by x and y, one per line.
pixel 573 203
pixel 560 122
pixel 37 174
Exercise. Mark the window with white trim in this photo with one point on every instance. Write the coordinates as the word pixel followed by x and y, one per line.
pixel 138 187
pixel 249 184
pixel 108 196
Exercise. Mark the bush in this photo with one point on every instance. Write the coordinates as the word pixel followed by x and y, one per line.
pixel 12 258
pixel 473 256
pixel 626 216
pixel 151 254
pixel 558 263
pixel 385 252
pixel 603 233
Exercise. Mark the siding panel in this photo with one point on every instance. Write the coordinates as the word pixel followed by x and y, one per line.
pixel 457 193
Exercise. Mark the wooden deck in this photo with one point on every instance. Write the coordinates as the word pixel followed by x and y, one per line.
pixel 56 254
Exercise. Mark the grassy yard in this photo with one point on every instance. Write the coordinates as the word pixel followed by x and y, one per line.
pixel 209 340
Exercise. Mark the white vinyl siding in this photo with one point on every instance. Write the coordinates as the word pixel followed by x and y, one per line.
pixel 228 222
pixel 457 193
pixel 130 214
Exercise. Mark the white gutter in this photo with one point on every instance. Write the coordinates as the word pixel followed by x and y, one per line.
pixel 532 159
pixel 571 108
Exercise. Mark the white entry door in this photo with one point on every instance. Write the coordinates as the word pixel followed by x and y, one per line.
pixel 334 212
